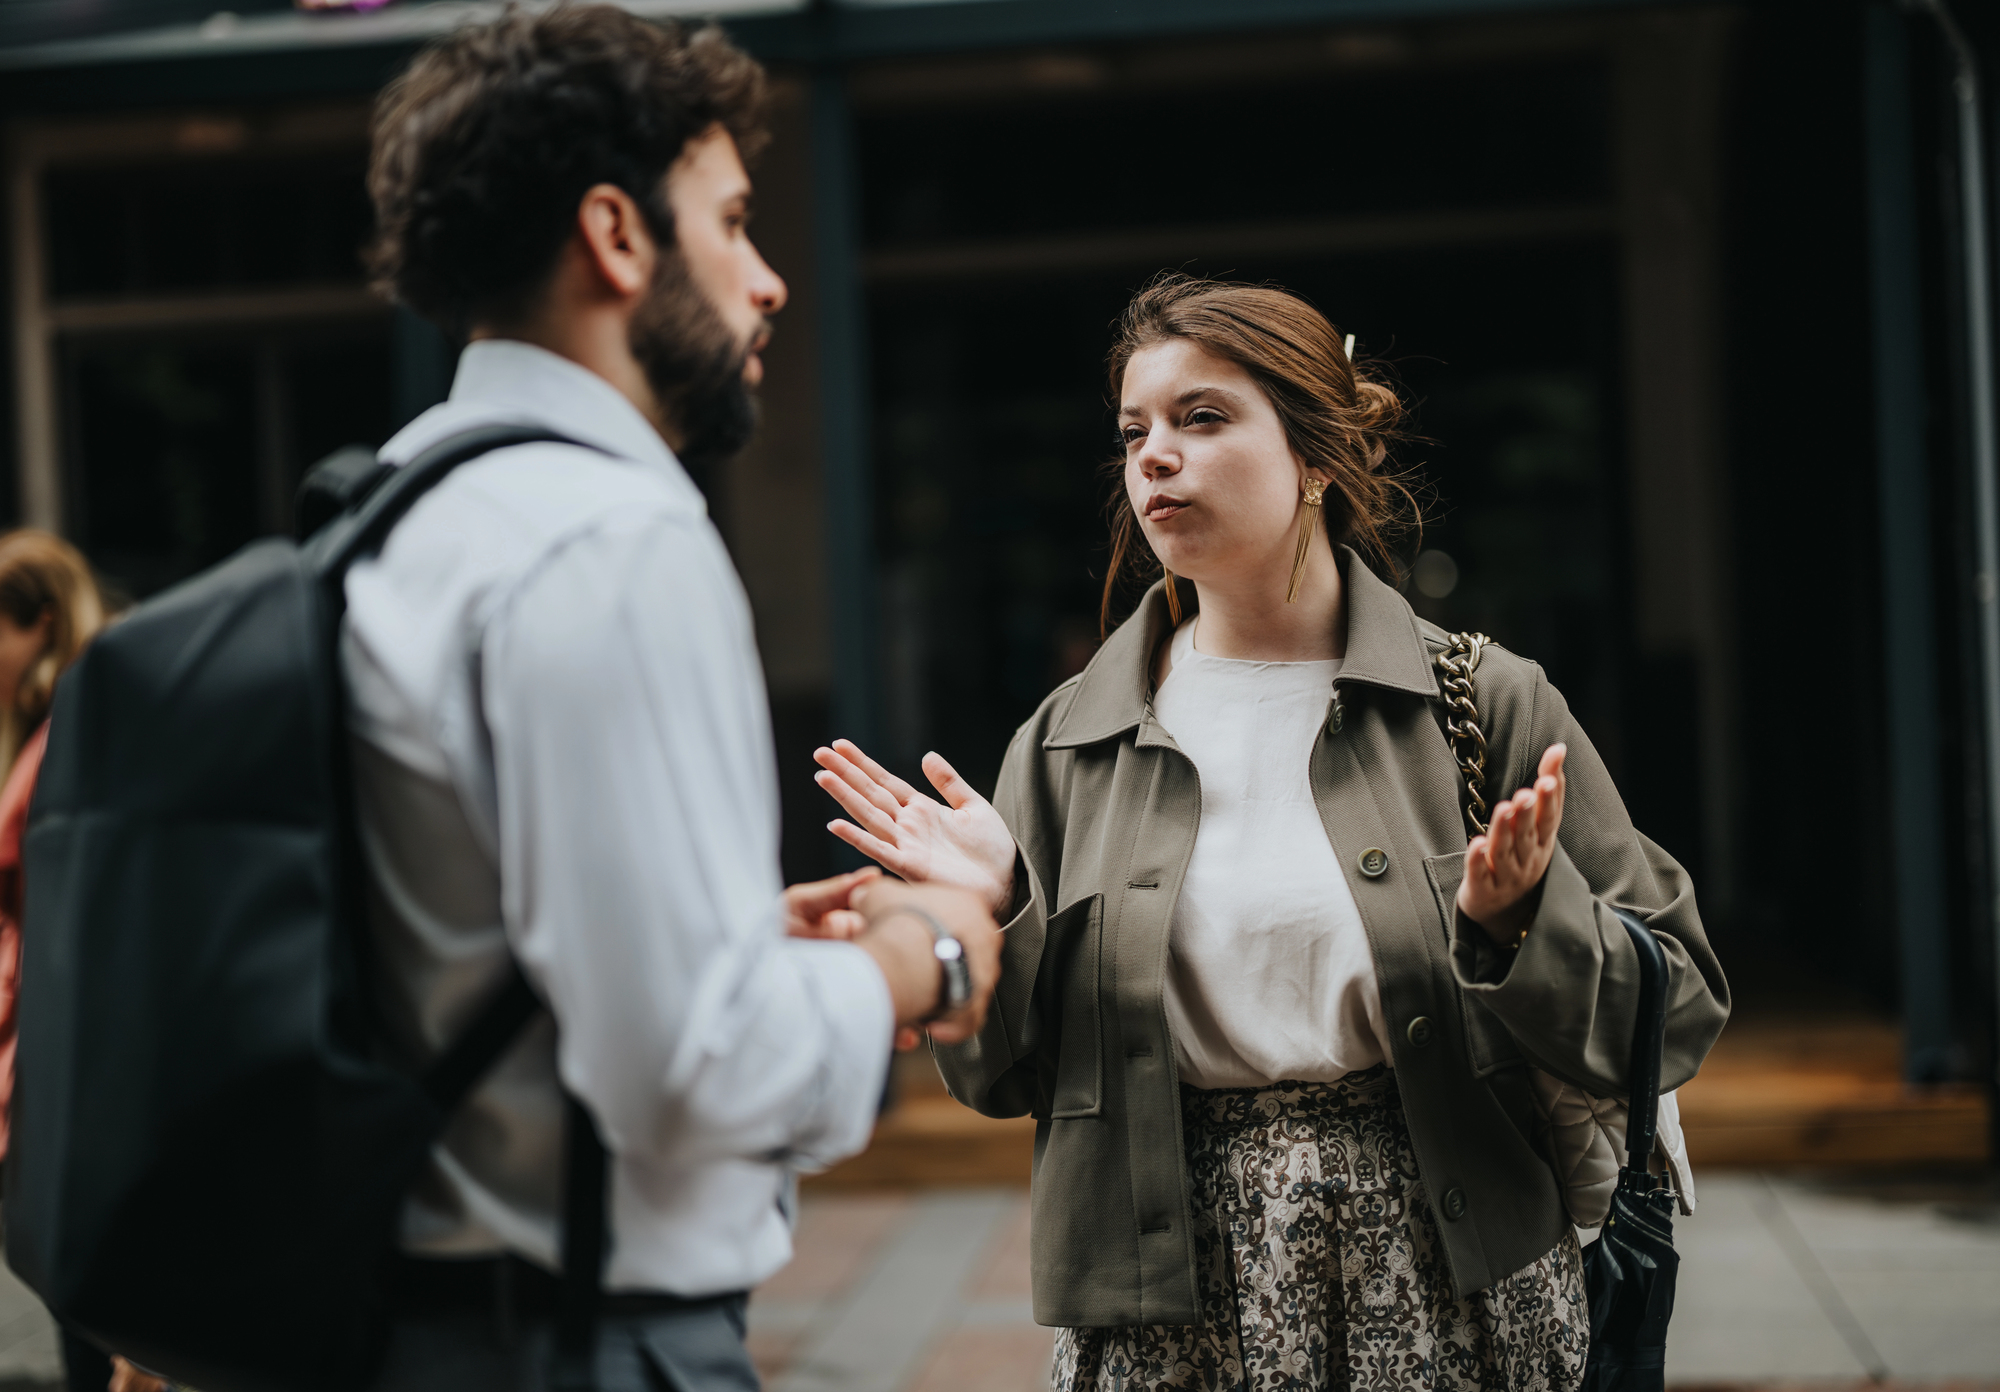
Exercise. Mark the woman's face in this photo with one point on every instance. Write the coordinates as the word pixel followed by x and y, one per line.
pixel 1207 466
pixel 19 647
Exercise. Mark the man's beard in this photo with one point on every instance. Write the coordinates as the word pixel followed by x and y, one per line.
pixel 695 367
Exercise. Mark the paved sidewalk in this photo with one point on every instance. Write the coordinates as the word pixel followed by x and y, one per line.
pixel 1785 1279
pixel 30 1359
pixel 1785 1283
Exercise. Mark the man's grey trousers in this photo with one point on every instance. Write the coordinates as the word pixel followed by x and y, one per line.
pixel 695 1348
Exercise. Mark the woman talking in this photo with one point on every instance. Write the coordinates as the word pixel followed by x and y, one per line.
pixel 1274 1014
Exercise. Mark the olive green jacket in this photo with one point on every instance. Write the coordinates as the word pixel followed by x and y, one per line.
pixel 1105 806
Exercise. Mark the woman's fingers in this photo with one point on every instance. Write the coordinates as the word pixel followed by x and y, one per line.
pixel 1548 812
pixel 955 791
pixel 858 805
pixel 1527 845
pixel 1553 765
pixel 859 779
pixel 1513 844
pixel 900 790
pixel 873 847
pixel 1500 838
pixel 1552 760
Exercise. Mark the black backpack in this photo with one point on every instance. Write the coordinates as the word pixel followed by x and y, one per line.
pixel 209 1149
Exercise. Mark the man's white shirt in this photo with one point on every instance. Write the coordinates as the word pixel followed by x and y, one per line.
pixel 562 749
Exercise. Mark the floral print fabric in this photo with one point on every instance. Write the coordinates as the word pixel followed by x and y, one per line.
pixel 1318 1265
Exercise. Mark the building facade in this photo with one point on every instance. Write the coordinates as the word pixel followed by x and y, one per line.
pixel 1676 291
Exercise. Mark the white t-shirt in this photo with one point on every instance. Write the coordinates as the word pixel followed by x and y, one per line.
pixel 1270 977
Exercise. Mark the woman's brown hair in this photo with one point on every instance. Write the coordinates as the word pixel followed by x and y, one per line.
pixel 40 573
pixel 1336 420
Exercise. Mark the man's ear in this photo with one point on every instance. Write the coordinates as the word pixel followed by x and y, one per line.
pixel 617 244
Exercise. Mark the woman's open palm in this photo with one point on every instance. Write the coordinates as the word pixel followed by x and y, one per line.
pixel 960 841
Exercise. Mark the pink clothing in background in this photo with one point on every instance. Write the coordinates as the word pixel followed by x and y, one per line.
pixel 15 795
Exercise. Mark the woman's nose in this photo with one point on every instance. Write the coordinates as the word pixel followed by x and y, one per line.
pixel 1155 461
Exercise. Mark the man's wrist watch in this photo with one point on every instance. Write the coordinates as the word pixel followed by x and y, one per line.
pixel 955 984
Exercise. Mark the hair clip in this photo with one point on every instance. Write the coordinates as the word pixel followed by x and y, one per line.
pixel 1349 350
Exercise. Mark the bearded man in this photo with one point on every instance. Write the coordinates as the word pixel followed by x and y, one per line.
pixel 560 733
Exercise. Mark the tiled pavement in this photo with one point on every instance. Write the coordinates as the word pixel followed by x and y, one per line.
pixel 922 1292
pixel 1784 1283
pixel 29 1357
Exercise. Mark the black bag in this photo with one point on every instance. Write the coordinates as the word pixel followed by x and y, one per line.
pixel 1630 1270
pixel 209 1152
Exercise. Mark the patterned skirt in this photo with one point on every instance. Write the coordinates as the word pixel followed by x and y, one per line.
pixel 1319 1265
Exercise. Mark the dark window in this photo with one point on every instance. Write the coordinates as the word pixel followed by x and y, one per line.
pixel 184 448
pixel 990 419
pixel 238 224
pixel 992 430
pixel 1185 155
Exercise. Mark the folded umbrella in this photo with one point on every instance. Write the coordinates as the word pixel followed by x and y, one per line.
pixel 1630 1270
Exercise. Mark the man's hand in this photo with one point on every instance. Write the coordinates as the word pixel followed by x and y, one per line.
pixel 822 908
pixel 903 947
pixel 1504 867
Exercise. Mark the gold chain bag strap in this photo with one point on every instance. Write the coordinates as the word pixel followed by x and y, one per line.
pixel 1461 723
pixel 1582 1135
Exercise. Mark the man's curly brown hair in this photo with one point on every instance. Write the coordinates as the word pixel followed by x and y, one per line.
pixel 486 144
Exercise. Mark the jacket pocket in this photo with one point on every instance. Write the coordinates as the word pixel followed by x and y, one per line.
pixel 1073 960
pixel 1489 1044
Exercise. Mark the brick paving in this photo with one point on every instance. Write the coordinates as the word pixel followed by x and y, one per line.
pixel 918 1292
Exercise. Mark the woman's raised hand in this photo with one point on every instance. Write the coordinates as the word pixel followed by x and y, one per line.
pixel 960 841
pixel 1504 867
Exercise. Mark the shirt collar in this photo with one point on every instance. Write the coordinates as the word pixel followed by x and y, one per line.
pixel 500 379
pixel 1385 648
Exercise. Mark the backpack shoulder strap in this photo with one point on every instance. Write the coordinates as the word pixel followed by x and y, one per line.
pixel 381 500
pixel 586 1234
pixel 453 1074
pixel 361 530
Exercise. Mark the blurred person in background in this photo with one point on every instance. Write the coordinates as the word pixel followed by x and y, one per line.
pixel 559 725
pixel 1271 1008
pixel 50 609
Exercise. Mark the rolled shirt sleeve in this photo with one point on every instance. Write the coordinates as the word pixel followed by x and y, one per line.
pixel 637 815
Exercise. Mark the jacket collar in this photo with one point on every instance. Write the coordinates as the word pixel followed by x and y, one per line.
pixel 1384 648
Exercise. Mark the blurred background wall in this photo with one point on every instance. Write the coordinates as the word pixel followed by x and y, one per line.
pixel 1675 289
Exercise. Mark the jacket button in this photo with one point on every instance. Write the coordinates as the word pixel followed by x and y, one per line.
pixel 1454 1204
pixel 1420 1032
pixel 1373 862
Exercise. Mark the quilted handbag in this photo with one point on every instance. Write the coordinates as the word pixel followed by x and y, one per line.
pixel 1581 1135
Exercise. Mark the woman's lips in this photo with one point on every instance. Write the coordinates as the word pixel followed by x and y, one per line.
pixel 1160 509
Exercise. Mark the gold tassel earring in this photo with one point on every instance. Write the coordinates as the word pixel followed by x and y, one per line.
pixel 1308 520
pixel 1173 596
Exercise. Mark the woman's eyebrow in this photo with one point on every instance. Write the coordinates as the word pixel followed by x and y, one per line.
pixel 1193 394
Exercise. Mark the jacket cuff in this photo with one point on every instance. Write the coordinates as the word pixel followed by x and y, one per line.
pixel 1565 919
